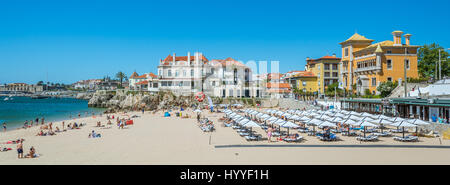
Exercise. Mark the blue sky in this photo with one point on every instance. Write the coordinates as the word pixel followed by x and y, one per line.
pixel 74 40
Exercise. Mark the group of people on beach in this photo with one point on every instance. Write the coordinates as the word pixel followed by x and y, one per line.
pixel 31 153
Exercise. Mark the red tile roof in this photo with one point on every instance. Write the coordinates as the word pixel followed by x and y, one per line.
pixel 142 82
pixel 305 74
pixel 278 85
pixel 135 76
pixel 169 59
pixel 227 62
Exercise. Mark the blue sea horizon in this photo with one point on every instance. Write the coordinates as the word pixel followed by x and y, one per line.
pixel 20 109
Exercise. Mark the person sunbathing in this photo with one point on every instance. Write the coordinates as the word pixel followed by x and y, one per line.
pixel 41 133
pixel 32 153
pixel 57 129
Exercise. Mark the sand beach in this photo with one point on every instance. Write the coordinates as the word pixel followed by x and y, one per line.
pixel 157 140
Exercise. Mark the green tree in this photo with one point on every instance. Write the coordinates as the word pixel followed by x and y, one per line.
pixel 428 59
pixel 331 88
pixel 121 76
pixel 385 88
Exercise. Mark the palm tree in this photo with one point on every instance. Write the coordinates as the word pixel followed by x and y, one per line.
pixel 121 76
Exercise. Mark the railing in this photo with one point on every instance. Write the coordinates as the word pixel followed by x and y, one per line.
pixel 368 69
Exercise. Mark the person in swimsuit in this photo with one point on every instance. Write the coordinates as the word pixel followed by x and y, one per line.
pixel 269 135
pixel 4 127
pixel 20 150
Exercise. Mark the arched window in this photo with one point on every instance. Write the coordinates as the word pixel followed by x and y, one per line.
pixel 235 76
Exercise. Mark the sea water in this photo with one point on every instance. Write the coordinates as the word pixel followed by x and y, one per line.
pixel 17 110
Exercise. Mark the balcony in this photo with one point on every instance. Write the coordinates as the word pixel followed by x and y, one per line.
pixel 368 69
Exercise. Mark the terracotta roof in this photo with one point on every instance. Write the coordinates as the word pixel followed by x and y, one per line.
pixel 227 62
pixel 134 75
pixel 357 37
pixel 305 74
pixel 152 75
pixel 278 91
pixel 274 76
pixel 142 82
pixel 278 85
pixel 323 58
pixel 169 59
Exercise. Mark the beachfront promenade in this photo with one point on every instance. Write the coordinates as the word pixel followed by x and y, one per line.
pixel 154 139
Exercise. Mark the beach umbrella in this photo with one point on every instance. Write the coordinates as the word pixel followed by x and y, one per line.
pixel 286 114
pixel 272 119
pixel 327 124
pixel 243 121
pixel 381 122
pixel 367 124
pixel 314 123
pixel 314 114
pixel 294 117
pixel 268 110
pixel 288 125
pixel 197 111
pixel 383 117
pixel 344 112
pixel 264 116
pixel 353 117
pixel 298 112
pixel 254 112
pixel 354 113
pixel 251 124
pixel 232 114
pixel 337 120
pixel 290 111
pixel 259 115
pixel 367 119
pixel 325 117
pixel 339 115
pixel 403 124
pixel 418 122
pixel 279 122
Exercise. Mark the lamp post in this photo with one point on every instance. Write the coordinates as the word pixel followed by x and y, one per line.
pixel 440 69
pixel 406 93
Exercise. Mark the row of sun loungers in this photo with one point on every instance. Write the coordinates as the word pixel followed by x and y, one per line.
pixel 367 138
pixel 407 139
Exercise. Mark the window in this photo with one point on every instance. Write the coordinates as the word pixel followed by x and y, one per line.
pixel 318 67
pixel 304 83
pixel 318 83
pixel 184 73
pixel 180 83
pixel 212 71
pixel 176 73
pixel 335 66
pixel 326 66
pixel 335 74
pixel 230 92
pixel 389 63
pixel 169 72
pixel 159 72
pixel 213 83
pixel 407 63
pixel 155 85
pixel 192 73
pixel 326 74
pixel 389 79
pixel 388 51
pixel 238 93
pixel 235 77
pixel 374 81
pixel 346 52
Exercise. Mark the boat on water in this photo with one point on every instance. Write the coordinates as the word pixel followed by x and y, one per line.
pixel 6 99
pixel 39 97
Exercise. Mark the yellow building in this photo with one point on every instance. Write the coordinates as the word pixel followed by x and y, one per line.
pixel 326 69
pixel 305 81
pixel 367 65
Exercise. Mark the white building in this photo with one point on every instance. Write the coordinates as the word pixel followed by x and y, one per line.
pixel 145 82
pixel 188 75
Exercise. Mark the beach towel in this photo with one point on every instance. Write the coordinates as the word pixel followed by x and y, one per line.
pixel 129 122
pixel 166 114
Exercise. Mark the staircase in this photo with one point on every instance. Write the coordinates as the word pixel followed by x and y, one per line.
pixel 399 91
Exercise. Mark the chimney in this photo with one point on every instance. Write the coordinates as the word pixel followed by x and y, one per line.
pixel 173 59
pixel 407 39
pixel 334 54
pixel 196 58
pixel 189 58
pixel 397 38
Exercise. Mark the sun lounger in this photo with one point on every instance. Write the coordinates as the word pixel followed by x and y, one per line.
pixel 297 139
pixel 368 138
pixel 407 139
pixel 384 134
pixel 349 133
pixel 303 130
pixel 253 138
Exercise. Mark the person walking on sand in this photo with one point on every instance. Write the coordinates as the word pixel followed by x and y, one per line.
pixel 20 149
pixel 42 121
pixel 4 127
pixel 63 125
pixel 269 135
